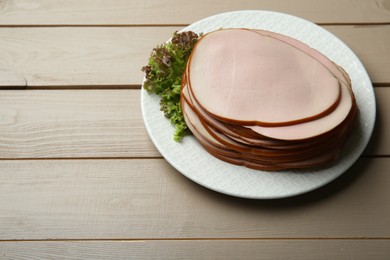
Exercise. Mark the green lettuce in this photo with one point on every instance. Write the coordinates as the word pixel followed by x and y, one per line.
pixel 163 76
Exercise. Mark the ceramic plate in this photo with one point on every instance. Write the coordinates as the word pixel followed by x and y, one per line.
pixel 189 158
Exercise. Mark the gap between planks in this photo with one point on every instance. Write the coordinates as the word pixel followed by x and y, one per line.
pixel 194 239
pixel 105 87
pixel 117 25
pixel 166 25
pixel 71 87
pixel 131 158
pixel 83 158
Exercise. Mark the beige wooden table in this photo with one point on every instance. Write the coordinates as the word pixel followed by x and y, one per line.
pixel 80 178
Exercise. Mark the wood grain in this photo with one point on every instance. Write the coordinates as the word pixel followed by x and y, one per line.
pixel 147 198
pixel 79 56
pixel 80 123
pixel 184 249
pixel 11 79
pixel 138 12
pixel 101 123
pixel 106 56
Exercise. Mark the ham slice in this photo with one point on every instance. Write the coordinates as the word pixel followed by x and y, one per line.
pixel 312 128
pixel 258 153
pixel 235 99
pixel 233 132
pixel 264 80
pixel 337 71
pixel 255 162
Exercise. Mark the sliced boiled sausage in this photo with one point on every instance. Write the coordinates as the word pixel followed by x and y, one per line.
pixel 266 101
pixel 243 77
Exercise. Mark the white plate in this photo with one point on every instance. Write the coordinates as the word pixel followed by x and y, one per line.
pixel 189 158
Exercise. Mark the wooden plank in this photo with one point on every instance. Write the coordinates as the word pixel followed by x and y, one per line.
pixel 102 123
pixel 11 79
pixel 199 249
pixel 380 140
pixel 96 56
pixel 80 123
pixel 79 56
pixel 91 12
pixel 147 198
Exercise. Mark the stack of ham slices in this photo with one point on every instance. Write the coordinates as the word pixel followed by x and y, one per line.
pixel 266 101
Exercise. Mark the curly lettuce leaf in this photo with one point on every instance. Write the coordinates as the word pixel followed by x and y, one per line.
pixel 163 76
